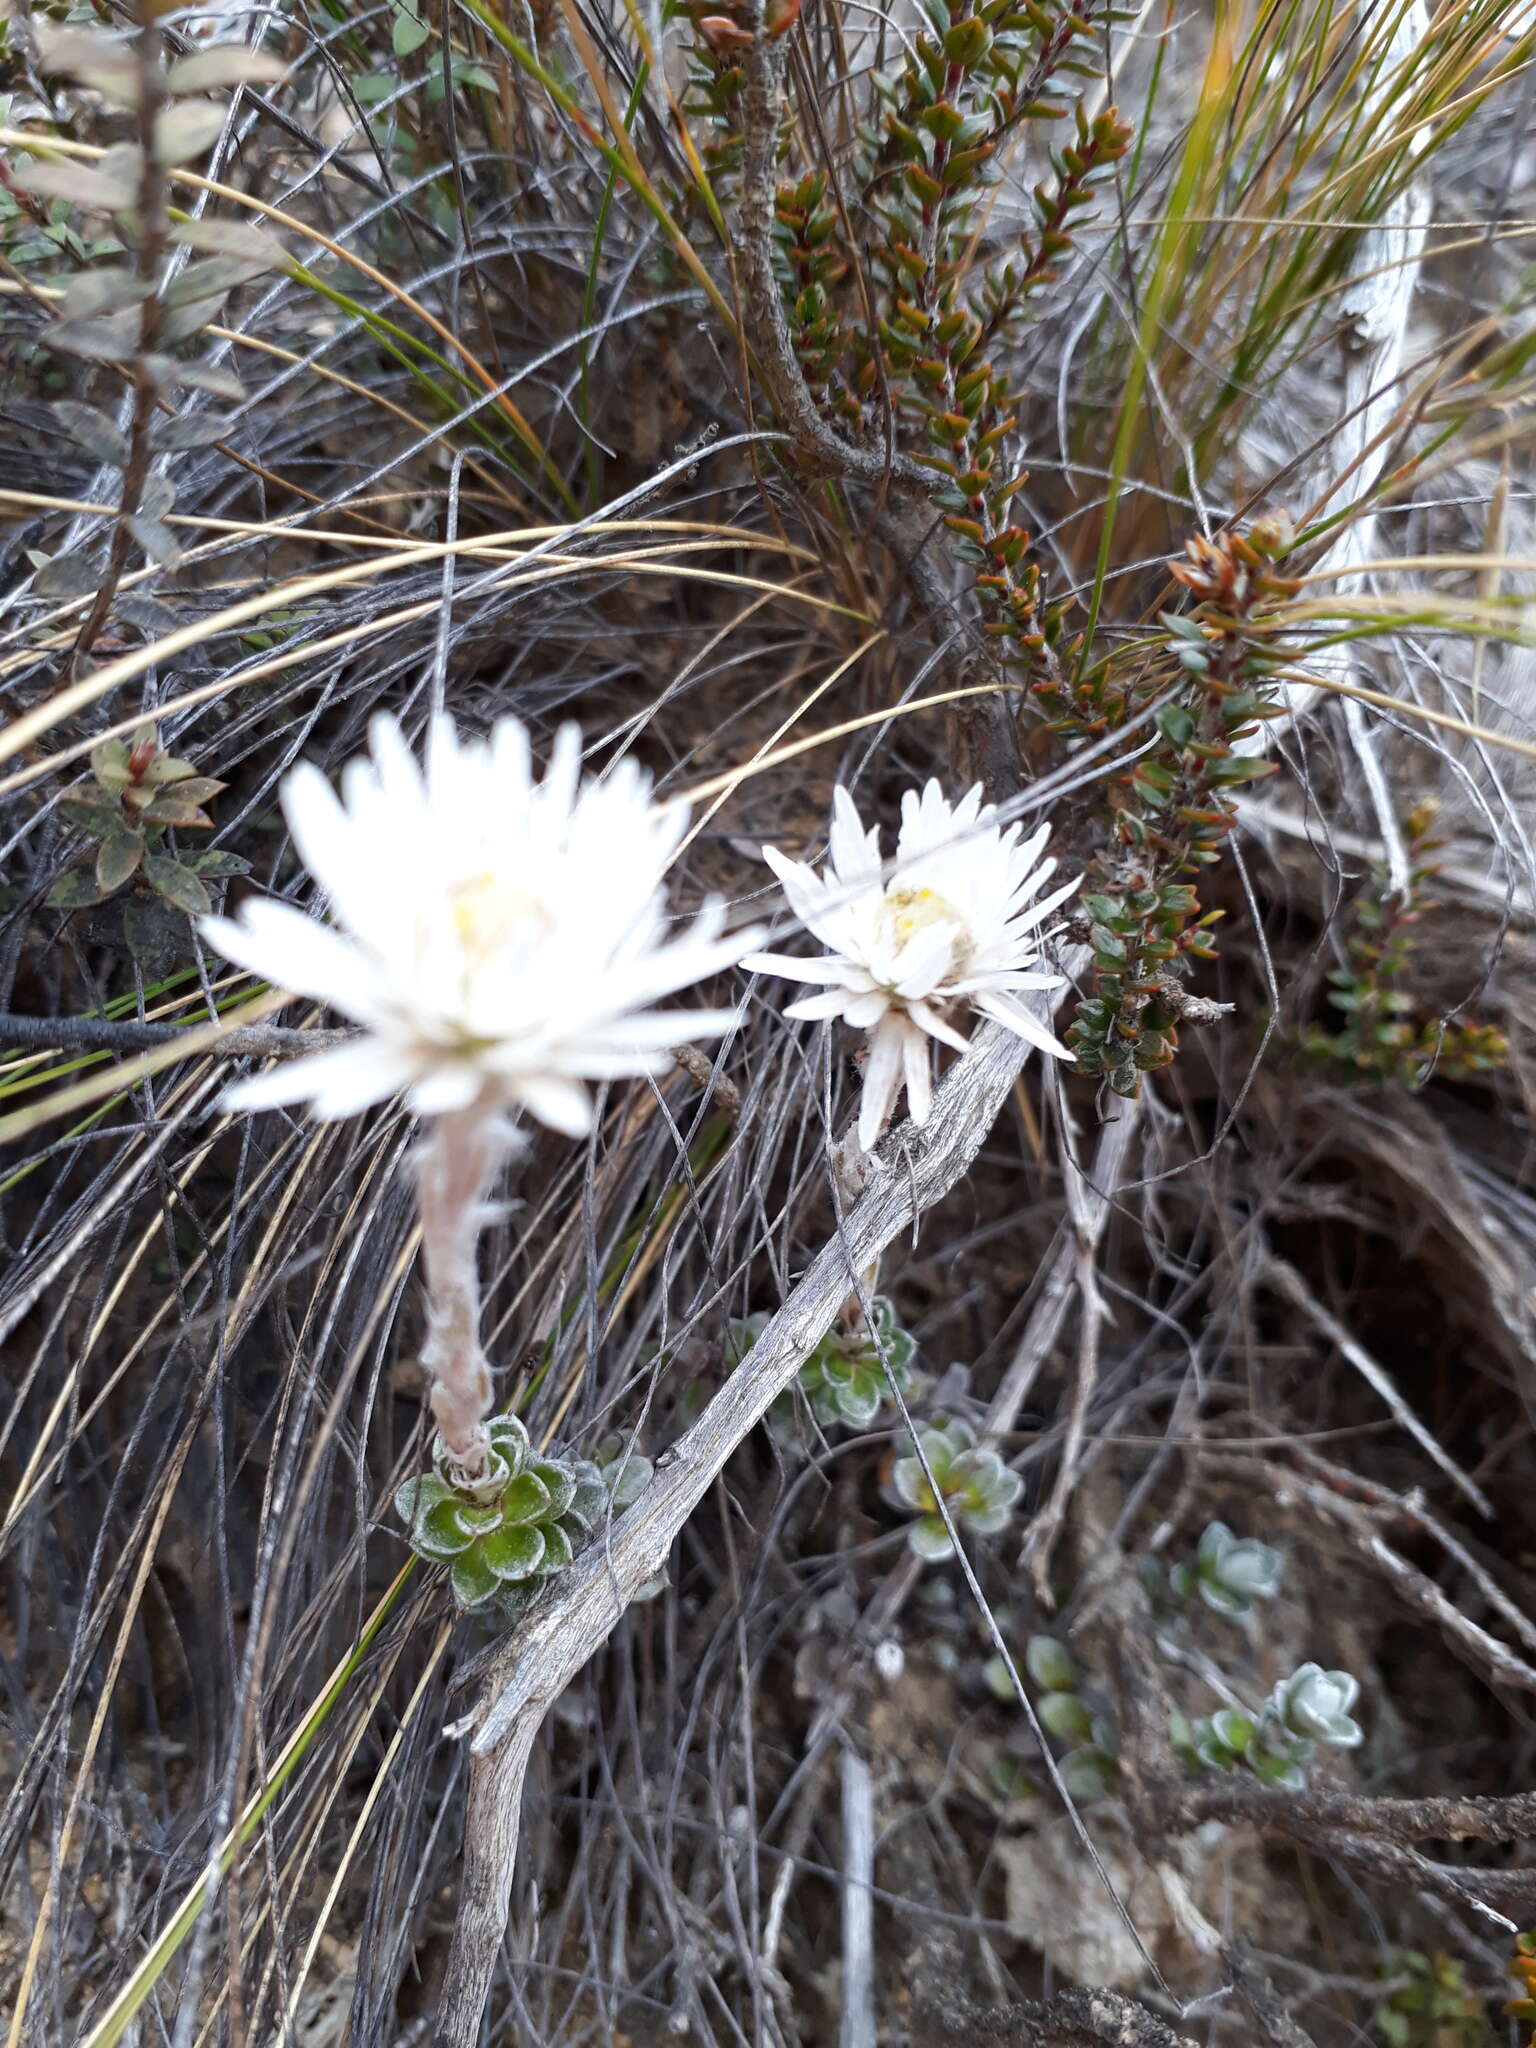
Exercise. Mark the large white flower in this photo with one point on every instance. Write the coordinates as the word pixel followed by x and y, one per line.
pixel 498 938
pixel 954 925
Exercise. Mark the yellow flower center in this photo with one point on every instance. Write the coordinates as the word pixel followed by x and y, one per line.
pixel 486 913
pixel 911 911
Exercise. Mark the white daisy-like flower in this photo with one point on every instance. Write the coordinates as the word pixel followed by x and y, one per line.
pixel 955 925
pixel 499 939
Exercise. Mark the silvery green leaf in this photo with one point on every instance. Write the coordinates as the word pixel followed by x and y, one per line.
pixel 218 865
pixel 1049 1664
pixel 409 32
pixel 929 1539
pixel 224 65
pixel 1064 1714
pixel 78 184
pixel 911 1484
pixel 472 1578
pixel 233 238
pixel 114 338
pixel 858 1405
pixel 189 431
pixel 94 432
pixel 102 290
pixel 559 1482
pixel 157 541
pixel 510 1437
pixel 156 497
pixel 998 1680
pixel 186 130
pixel 514 1553
pixel 558 1547
pixel 180 323
pixel 214 379
pixel 213 277
pixel 986 1521
pixel 1086 1775
pixel 526 1499
pixel 67 576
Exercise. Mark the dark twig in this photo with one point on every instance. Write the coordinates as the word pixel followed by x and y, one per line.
pixel 107 1034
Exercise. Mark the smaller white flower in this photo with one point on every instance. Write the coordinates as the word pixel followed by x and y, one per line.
pixel 955 925
pixel 499 939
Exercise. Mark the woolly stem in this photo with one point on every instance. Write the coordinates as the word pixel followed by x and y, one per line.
pixel 454 1169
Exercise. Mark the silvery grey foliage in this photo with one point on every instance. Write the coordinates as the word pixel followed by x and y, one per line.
pixel 979 1490
pixel 1310 1707
pixel 1228 1572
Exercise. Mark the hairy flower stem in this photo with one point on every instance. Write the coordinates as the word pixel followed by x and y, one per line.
pixel 454 1169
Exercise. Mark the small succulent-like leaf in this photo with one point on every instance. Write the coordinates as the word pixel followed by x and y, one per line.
pixel 514 1553
pixel 1087 1775
pixel 219 865
pixel 929 1539
pixel 1233 1730
pixel 1049 1664
pixel 437 1532
pixel 559 1482
pixel 1277 1770
pixel 510 1438
pixel 472 1578
pixel 416 1495
pixel 479 1517
pixel 117 859
pixel 911 1484
pixel 859 1404
pixel 558 1547
pixel 1064 1714
pixel 525 1500
pixel 590 1503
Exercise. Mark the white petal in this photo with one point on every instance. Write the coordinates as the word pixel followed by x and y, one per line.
pixel 830 1003
pixel 822 969
pixel 445 1088
pixel 854 853
pixel 804 891
pixel 926 1018
pixel 562 1104
pixel 1024 1023
pixel 867 1007
pixel 338 1083
pixel 919 1072
pixel 882 1080
pixel 1038 912
pixel 287 948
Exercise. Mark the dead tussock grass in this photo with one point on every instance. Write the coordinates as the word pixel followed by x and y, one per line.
pixel 497 455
